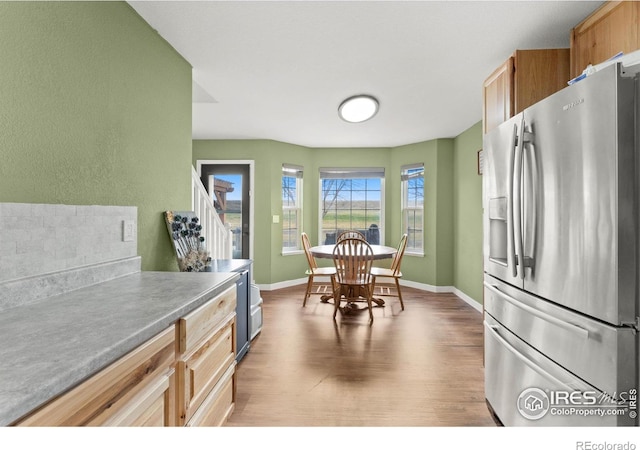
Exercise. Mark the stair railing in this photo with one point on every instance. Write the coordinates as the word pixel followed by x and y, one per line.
pixel 218 238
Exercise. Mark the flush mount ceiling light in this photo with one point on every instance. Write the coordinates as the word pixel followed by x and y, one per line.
pixel 358 108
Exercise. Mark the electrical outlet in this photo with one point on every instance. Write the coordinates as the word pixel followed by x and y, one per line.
pixel 128 230
pixel 276 219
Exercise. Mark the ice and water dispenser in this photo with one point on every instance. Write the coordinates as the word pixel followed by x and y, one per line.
pixel 498 236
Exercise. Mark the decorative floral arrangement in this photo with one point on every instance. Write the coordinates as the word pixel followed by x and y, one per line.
pixel 188 242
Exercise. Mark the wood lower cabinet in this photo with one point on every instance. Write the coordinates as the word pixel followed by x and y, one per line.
pixel 525 78
pixel 138 389
pixel 612 28
pixel 218 405
pixel 206 362
pixel 183 376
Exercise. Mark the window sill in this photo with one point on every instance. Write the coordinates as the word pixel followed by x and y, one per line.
pixel 414 253
pixel 292 252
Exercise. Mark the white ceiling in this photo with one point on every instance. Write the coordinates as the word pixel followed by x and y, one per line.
pixel 279 69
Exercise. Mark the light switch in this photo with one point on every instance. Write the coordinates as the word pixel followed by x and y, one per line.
pixel 128 230
pixel 276 219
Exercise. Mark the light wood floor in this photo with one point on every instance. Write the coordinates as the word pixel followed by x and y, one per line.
pixel 417 367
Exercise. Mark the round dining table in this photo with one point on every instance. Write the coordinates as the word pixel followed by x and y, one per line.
pixel 379 252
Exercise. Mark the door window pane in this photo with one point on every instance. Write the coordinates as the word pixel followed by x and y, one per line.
pixel 227 200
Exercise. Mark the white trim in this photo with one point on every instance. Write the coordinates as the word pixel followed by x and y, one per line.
pixel 412 284
pixel 444 289
pixel 251 164
pixel 383 195
pixel 298 208
pixel 474 304
pixel 404 209
pixel 427 287
pixel 282 284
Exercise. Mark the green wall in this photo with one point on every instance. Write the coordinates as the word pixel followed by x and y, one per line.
pixel 269 266
pixel 96 109
pixel 435 267
pixel 453 209
pixel 467 217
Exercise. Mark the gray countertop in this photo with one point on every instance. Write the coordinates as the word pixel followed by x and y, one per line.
pixel 228 265
pixel 50 346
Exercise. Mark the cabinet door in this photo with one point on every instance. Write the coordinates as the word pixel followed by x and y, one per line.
pixel 218 405
pixel 538 74
pixel 138 388
pixel 200 371
pixel 613 28
pixel 498 96
pixel 152 407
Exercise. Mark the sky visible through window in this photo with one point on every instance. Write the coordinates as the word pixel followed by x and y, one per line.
pixel 237 186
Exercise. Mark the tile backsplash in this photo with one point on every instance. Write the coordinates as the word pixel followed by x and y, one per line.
pixel 37 239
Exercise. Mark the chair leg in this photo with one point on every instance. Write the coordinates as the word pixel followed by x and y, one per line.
pixel 399 293
pixel 308 293
pixel 370 303
pixel 337 294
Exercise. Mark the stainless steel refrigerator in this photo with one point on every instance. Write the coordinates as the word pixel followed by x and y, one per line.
pixel 561 257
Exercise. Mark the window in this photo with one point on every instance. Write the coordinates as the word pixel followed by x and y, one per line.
pixel 291 207
pixel 412 178
pixel 351 199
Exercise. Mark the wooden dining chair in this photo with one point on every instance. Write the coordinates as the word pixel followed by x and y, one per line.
pixel 315 271
pixel 349 234
pixel 392 273
pixel 353 259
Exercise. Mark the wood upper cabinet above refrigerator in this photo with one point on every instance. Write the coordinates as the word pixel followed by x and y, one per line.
pixel 612 28
pixel 527 77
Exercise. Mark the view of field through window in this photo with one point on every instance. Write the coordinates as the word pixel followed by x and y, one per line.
pixel 351 204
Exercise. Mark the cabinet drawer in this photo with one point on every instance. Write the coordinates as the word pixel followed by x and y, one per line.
pixel 218 406
pixel 153 407
pixel 120 390
pixel 202 369
pixel 200 323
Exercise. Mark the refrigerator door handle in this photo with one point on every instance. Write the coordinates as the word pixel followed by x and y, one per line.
pixel 529 260
pixel 583 332
pixel 517 199
pixel 510 205
pixel 493 329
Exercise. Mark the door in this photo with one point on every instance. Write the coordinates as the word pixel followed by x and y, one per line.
pixel 499 221
pixel 229 186
pixel 576 342
pixel 525 388
pixel 578 208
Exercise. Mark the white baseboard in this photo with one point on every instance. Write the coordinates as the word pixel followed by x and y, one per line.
pixel 469 300
pixel 412 284
pixel 444 289
pixel 285 284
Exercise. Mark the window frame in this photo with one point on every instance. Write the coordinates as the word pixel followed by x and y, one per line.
pixel 297 172
pixel 352 173
pixel 405 208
